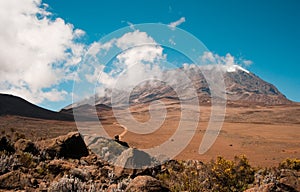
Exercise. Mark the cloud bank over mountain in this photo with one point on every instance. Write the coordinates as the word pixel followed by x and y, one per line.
pixel 41 52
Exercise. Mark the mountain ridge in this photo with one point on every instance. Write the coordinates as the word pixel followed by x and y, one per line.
pixel 241 86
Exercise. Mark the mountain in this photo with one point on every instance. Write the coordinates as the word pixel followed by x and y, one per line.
pixel 242 87
pixel 12 105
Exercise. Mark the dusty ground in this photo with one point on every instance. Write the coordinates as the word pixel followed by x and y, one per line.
pixel 266 135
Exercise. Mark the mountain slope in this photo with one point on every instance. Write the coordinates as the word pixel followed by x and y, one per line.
pixel 12 105
pixel 242 87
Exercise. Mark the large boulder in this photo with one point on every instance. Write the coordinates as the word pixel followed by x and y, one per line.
pixel 67 146
pixel 146 184
pixel 131 162
pixel 108 149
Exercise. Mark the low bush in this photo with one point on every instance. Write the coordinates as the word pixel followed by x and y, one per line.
pixel 219 175
pixel 293 164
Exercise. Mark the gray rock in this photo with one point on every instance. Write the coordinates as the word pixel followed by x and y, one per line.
pixel 131 161
pixel 107 149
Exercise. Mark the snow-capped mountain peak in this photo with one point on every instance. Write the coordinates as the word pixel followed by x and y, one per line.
pixel 234 68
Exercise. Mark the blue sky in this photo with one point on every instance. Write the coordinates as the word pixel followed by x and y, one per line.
pixel 265 32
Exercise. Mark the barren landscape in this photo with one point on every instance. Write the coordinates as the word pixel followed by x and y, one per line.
pixel 265 134
pixel 84 146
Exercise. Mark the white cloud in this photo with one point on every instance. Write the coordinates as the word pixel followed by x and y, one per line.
pixel 38 96
pixel 139 59
pixel 37 52
pixel 208 57
pixel 96 47
pixel 135 38
pixel 227 63
pixel 247 62
pixel 136 55
pixel 174 24
pixel 54 95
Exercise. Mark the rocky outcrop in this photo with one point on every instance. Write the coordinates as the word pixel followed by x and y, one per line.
pixel 28 171
pixel 108 149
pixel 57 166
pixel 284 180
pixel 68 146
pixel 290 178
pixel 131 161
pixel 24 145
pixel 145 184
pixel 15 180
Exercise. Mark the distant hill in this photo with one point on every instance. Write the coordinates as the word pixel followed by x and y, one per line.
pixel 13 105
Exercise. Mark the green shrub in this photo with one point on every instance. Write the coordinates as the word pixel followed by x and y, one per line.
pixel 219 175
pixel 290 164
pixel 226 175
pixel 181 176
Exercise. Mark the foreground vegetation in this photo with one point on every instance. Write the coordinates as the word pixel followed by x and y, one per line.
pixel 25 165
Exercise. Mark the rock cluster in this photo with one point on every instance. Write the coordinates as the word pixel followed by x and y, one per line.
pixel 66 164
pixel 284 180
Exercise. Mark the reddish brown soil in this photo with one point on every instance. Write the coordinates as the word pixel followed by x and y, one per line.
pixel 266 135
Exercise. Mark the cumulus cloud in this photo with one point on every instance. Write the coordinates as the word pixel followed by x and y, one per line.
pixel 142 58
pixel 97 47
pixel 174 24
pixel 134 38
pixel 227 63
pixel 138 59
pixel 37 51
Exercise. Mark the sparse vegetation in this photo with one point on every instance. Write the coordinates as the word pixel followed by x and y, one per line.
pixel 8 163
pixel 92 173
pixel 218 175
pixel 293 164
pixel 69 183
pixel 27 160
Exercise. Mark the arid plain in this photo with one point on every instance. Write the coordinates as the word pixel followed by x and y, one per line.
pixel 265 134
